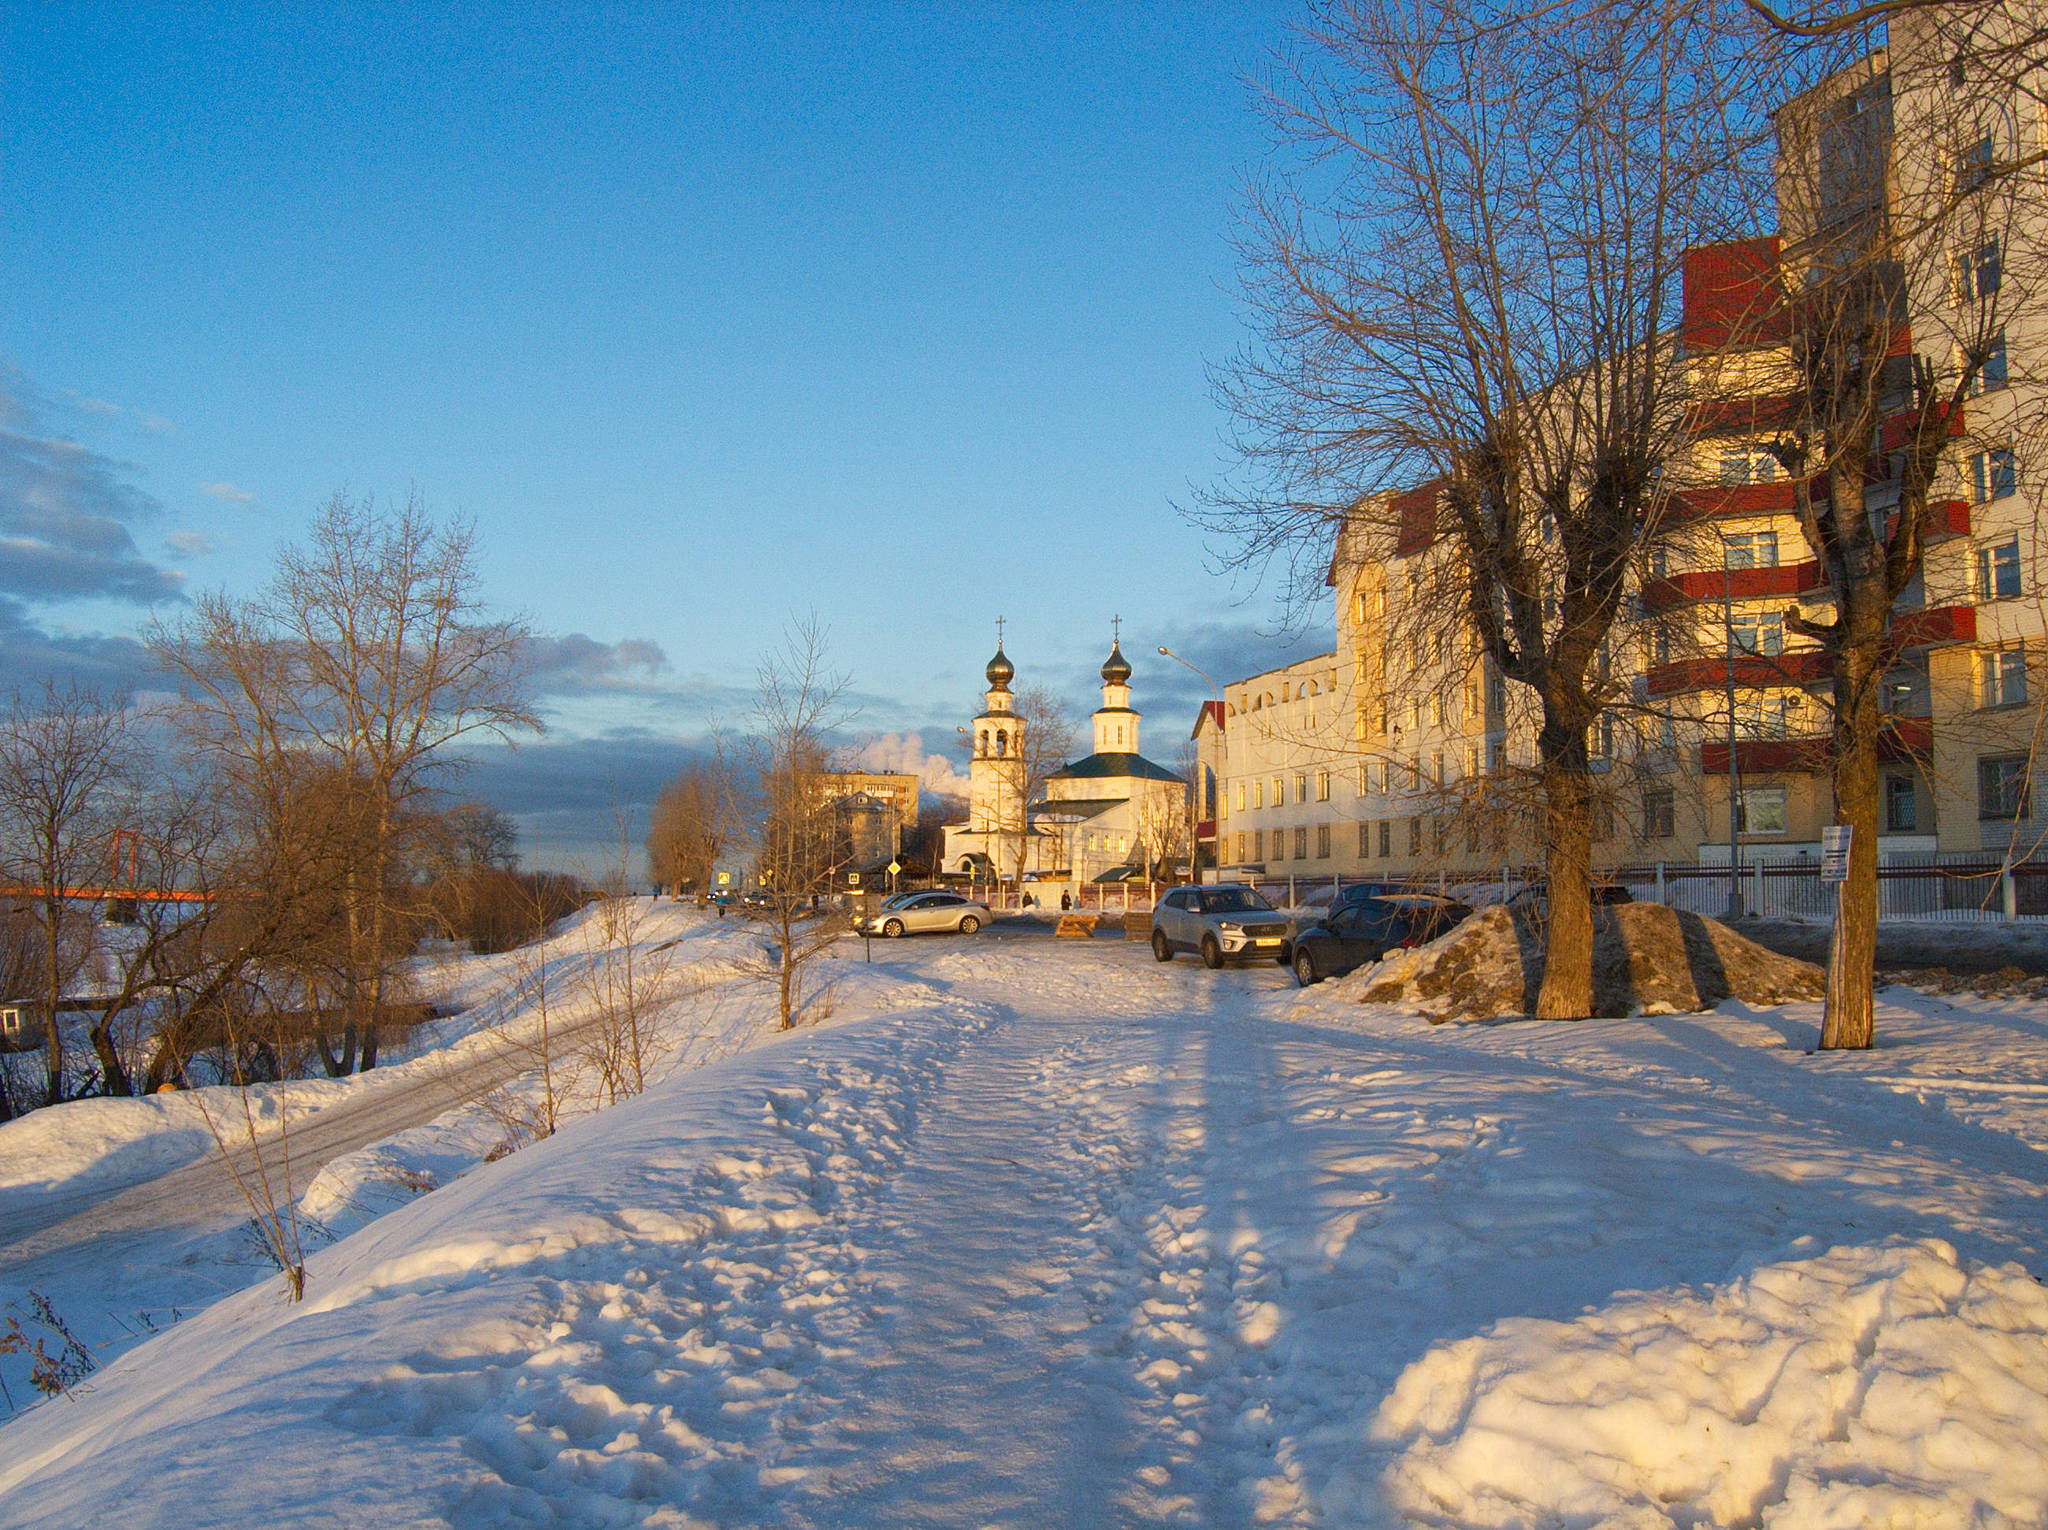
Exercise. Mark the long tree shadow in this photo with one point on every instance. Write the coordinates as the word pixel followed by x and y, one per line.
pixel 1406 1193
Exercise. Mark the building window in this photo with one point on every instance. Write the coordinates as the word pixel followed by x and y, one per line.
pixel 1240 796
pixel 1365 841
pixel 2002 787
pixel 1322 786
pixel 1761 810
pixel 1998 570
pixel 1364 779
pixel 1279 793
pixel 1757 632
pixel 1380 711
pixel 1901 805
pixel 1301 789
pixel 2002 677
pixel 1301 844
pixel 1471 759
pixel 1993 372
pixel 1977 273
pixel 1258 794
pixel 1386 837
pixel 1322 842
pixel 1752 549
pixel 1764 716
pixel 1411 711
pixel 1603 820
pixel 1974 164
pixel 1995 474
pixel 1240 848
pixel 1744 464
pixel 1436 709
pixel 1415 836
pixel 1258 844
pixel 1658 814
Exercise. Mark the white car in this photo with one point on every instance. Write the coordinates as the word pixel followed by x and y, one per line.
pixel 914 913
pixel 1222 923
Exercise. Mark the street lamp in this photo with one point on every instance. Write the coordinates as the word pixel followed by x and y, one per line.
pixel 1201 786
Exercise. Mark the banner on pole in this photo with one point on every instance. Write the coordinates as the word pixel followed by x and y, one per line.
pixel 1834 852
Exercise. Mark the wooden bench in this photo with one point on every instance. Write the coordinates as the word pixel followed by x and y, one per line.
pixel 1076 926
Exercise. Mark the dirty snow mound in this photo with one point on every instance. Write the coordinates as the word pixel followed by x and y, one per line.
pixel 1870 1386
pixel 1646 960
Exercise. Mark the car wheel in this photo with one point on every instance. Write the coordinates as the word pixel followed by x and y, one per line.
pixel 1305 967
pixel 893 928
pixel 1212 954
pixel 1161 947
pixel 969 925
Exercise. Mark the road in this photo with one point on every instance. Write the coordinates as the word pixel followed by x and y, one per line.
pixel 203 1196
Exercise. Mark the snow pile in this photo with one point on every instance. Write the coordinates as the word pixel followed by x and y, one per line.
pixel 1870 1386
pixel 1646 960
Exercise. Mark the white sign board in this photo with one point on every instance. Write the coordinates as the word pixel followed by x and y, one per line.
pixel 1834 852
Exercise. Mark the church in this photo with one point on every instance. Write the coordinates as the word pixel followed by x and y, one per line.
pixel 1112 811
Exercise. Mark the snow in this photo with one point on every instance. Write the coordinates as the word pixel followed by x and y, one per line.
pixel 1039 1232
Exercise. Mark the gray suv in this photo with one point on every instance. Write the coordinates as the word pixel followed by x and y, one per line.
pixel 1222 923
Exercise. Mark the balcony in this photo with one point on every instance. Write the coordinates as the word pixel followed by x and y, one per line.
pixel 1734 583
pixel 1772 497
pixel 1934 626
pixel 1752 670
pixel 1903 740
pixel 1945 518
pixel 1745 416
pixel 1755 756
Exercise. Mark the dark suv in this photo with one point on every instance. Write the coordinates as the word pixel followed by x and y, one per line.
pixel 1363 930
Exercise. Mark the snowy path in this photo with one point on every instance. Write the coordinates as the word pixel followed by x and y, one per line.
pixel 99 1221
pixel 1052 1235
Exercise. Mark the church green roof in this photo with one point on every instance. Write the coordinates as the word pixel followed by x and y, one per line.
pixel 1097 767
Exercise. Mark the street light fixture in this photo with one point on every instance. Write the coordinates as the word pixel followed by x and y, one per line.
pixel 1200 797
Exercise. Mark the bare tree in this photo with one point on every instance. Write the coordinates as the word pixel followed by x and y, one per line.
pixel 1463 287
pixel 370 655
pixel 691 828
pixel 69 763
pixel 798 706
pixel 1045 743
pixel 1910 196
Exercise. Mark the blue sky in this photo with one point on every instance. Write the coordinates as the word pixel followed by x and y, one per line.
pixel 706 315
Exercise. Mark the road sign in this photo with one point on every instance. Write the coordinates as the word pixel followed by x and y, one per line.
pixel 725 879
pixel 1834 852
pixel 894 868
pixel 853 879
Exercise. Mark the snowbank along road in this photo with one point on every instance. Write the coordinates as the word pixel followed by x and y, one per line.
pixel 1037 1234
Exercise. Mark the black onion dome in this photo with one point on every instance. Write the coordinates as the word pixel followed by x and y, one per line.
pixel 1116 669
pixel 1000 671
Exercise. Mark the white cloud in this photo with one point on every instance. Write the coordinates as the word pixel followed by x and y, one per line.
pixel 228 492
pixel 191 544
pixel 906 754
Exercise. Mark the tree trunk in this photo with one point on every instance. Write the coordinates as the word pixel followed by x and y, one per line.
pixel 113 1073
pixel 53 988
pixel 1850 1020
pixel 1567 991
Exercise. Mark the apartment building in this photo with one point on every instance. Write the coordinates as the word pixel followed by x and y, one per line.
pixel 1406 756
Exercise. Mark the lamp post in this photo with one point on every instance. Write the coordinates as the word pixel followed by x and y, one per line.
pixel 1199 799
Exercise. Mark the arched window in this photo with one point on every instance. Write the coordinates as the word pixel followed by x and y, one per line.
pixel 1002 743
pixel 984 741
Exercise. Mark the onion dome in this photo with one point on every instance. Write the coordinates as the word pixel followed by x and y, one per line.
pixel 1116 669
pixel 1000 671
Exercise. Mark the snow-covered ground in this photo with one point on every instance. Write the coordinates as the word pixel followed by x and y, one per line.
pixel 1036 1232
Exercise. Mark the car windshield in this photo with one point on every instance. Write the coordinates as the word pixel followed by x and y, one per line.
pixel 1234 900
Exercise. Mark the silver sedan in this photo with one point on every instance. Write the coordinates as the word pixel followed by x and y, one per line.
pixel 914 913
